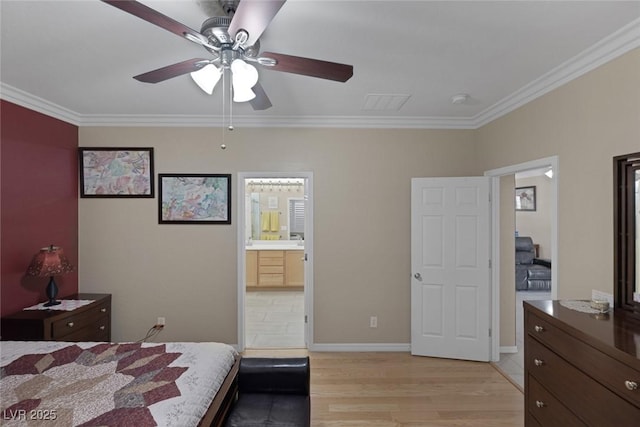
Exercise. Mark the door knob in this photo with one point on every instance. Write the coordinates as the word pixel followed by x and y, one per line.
pixel 418 276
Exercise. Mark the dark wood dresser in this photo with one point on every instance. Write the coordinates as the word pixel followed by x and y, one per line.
pixel 90 322
pixel 580 369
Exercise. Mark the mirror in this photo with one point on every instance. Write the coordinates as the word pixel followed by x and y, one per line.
pixel 627 232
pixel 276 208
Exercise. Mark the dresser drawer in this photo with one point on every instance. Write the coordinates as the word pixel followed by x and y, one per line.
pixel 546 409
pixel 70 324
pixel 530 421
pixel 591 400
pixel 600 366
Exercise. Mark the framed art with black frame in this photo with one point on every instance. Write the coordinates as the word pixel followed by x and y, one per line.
pixel 194 199
pixel 116 172
pixel 526 198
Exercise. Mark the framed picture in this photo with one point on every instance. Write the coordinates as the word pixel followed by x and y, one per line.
pixel 194 199
pixel 116 172
pixel 526 198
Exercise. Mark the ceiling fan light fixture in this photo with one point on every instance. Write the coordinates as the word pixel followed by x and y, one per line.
pixel 207 77
pixel 244 76
pixel 243 95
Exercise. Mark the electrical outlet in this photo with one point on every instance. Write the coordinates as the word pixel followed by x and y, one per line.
pixel 373 322
pixel 161 321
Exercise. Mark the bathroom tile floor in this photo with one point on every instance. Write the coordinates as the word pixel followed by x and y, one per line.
pixel 512 364
pixel 274 319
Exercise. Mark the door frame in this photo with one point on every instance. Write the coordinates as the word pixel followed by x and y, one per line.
pixel 308 249
pixel 495 175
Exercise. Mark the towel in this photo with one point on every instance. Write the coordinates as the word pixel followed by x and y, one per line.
pixel 275 221
pixel 264 221
pixel 270 237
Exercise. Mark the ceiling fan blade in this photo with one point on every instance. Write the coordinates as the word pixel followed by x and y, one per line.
pixel 309 67
pixel 254 16
pixel 174 70
pixel 261 101
pixel 153 16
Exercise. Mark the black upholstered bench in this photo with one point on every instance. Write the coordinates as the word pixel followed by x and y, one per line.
pixel 272 392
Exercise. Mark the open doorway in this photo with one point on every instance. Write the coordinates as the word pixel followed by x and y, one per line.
pixel 533 254
pixel 503 227
pixel 274 240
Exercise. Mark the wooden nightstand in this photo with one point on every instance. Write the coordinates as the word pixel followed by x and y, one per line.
pixel 90 322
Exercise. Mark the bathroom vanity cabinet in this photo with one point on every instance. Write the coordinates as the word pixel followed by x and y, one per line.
pixel 274 269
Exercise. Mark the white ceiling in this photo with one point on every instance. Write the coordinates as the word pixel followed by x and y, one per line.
pixel 75 59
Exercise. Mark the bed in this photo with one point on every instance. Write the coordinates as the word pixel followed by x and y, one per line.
pixel 112 384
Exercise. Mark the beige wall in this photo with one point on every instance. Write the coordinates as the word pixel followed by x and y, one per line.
pixel 585 123
pixel 187 273
pixel 537 224
pixel 362 211
pixel 507 263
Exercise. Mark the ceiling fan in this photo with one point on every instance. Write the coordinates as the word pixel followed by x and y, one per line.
pixel 233 42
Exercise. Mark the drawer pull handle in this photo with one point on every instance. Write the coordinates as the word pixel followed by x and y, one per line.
pixel 631 385
pixel 70 324
pixel 540 404
pixel 538 362
pixel 102 328
pixel 538 328
pixel 103 310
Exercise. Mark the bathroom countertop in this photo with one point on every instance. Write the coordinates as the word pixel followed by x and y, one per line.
pixel 278 245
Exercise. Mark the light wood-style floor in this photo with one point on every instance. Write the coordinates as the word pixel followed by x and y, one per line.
pixel 397 389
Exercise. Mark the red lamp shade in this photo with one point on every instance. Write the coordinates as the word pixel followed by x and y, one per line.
pixel 50 261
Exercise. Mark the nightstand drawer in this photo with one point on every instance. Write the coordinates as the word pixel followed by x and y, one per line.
pixel 98 330
pixel 89 322
pixel 69 324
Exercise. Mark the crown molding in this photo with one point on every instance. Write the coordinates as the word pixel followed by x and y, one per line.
pixel 41 105
pixel 622 41
pixel 381 122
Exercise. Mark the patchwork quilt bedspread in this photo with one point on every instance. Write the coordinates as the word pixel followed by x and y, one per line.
pixel 107 384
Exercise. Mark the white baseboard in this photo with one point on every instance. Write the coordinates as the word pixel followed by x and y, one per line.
pixel 508 349
pixel 364 347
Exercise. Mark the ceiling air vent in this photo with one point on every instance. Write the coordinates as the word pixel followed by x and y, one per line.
pixel 384 101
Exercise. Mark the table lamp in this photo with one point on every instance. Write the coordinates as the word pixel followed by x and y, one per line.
pixel 50 261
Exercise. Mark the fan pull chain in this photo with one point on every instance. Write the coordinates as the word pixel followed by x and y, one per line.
pixel 230 108
pixel 224 92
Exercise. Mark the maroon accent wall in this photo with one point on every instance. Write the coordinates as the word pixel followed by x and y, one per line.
pixel 38 201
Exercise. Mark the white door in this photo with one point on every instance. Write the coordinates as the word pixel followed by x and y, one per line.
pixel 450 247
